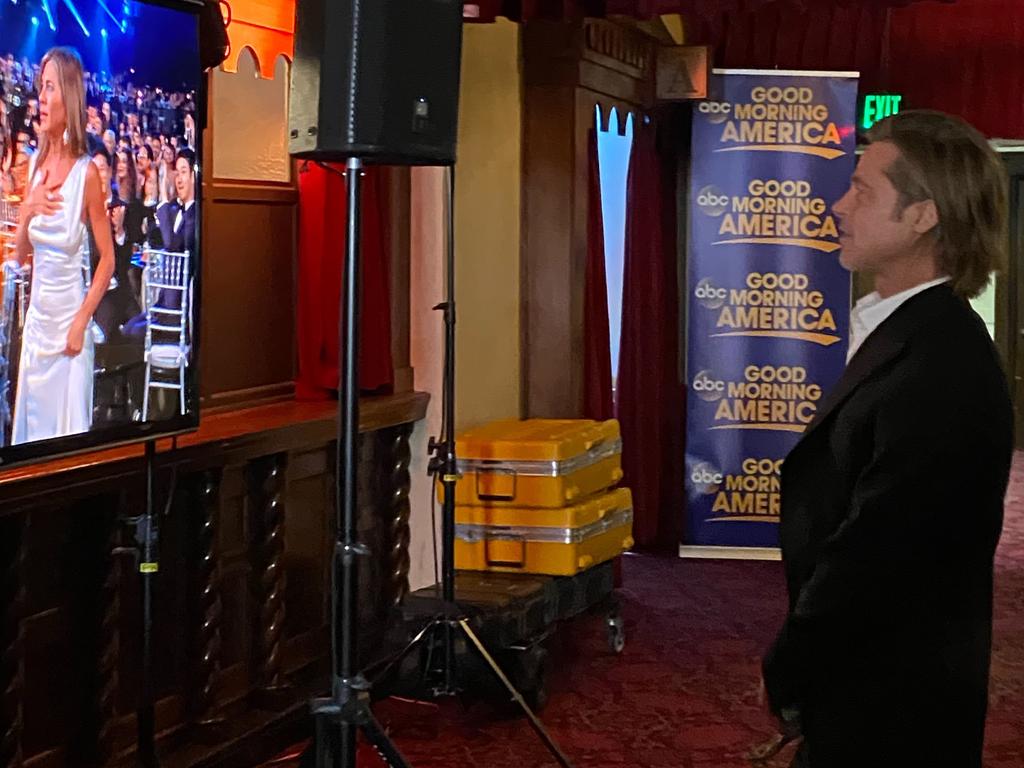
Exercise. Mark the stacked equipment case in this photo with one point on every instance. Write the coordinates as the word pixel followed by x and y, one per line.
pixel 538 496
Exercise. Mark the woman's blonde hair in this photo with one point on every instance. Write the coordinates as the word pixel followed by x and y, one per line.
pixel 71 80
pixel 946 160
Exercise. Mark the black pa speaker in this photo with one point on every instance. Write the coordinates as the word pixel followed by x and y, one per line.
pixel 376 80
pixel 213 33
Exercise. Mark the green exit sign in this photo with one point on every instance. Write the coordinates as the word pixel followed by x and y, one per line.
pixel 878 106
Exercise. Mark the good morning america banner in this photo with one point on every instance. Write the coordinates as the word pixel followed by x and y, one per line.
pixel 768 301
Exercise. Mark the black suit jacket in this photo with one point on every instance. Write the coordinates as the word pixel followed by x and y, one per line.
pixel 892 506
pixel 133 219
pixel 185 238
pixel 165 214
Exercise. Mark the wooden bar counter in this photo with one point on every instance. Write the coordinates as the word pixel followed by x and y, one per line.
pixel 242 610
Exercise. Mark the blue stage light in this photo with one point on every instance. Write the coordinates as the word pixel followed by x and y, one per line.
pixel 49 15
pixel 35 22
pixel 103 32
pixel 110 13
pixel 74 12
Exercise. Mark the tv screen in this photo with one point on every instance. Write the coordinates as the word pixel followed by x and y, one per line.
pixel 99 223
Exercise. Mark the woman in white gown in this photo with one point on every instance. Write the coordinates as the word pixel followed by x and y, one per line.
pixel 55 374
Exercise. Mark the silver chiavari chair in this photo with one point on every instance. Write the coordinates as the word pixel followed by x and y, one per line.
pixel 8 228
pixel 13 305
pixel 13 296
pixel 166 293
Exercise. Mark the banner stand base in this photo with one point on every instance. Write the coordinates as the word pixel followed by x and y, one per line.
pixel 729 553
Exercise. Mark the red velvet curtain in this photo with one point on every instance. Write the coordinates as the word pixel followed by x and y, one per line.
pixel 788 36
pixel 963 57
pixel 650 397
pixel 597 356
pixel 322 238
pixel 524 10
pixel 966 59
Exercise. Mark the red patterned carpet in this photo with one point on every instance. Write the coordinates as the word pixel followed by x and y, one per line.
pixel 684 693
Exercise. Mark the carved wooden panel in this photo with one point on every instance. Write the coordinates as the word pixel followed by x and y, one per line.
pixel 621 48
pixel 568 69
pixel 309 537
pixel 209 606
pixel 241 601
pixel 107 628
pixel 267 494
pixel 12 653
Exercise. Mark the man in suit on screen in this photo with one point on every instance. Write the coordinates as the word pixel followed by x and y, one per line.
pixel 177 220
pixel 892 501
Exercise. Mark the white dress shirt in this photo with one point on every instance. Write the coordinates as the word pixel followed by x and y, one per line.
pixel 181 215
pixel 871 311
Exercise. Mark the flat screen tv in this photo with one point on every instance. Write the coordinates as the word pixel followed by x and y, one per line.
pixel 100 157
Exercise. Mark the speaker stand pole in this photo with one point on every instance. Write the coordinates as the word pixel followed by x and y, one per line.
pixel 339 718
pixel 148 568
pixel 145 556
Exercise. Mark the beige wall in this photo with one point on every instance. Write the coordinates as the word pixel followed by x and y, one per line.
pixel 487 256
pixel 488 223
pixel 256 148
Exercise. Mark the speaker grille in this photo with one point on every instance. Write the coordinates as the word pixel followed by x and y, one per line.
pixel 376 79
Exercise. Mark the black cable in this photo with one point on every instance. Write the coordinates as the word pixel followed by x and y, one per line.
pixel 329 169
pixel 172 488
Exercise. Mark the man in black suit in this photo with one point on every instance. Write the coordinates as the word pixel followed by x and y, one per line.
pixel 177 220
pixel 892 501
pixel 183 231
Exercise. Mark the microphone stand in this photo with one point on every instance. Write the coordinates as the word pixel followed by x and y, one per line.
pixel 445 629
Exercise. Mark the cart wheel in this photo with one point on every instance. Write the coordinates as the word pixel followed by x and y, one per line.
pixel 616 633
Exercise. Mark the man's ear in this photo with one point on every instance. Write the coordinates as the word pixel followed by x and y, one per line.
pixel 924 216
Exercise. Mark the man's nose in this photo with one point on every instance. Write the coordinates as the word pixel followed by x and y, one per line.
pixel 839 207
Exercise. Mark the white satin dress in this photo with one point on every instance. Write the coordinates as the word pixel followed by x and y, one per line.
pixel 54 395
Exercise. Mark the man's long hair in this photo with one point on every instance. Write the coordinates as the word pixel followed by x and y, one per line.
pixel 946 160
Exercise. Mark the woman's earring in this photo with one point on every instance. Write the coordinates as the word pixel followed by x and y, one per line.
pixel 66 137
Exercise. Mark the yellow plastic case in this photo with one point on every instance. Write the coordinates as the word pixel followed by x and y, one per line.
pixel 556 542
pixel 537 462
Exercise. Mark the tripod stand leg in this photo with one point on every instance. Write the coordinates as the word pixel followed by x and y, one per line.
pixel 380 741
pixel 335 741
pixel 382 668
pixel 534 720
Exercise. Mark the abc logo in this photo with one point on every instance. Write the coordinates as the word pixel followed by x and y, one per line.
pixel 711 201
pixel 709 296
pixel 716 111
pixel 707 387
pixel 706 478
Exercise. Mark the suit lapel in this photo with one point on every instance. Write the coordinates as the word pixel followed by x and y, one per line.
pixel 881 347
pixel 877 350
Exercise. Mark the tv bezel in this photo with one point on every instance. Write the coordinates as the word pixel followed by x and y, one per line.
pixel 133 432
